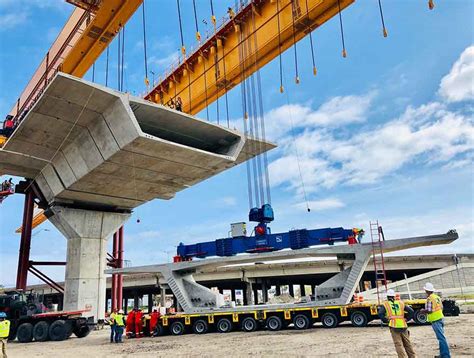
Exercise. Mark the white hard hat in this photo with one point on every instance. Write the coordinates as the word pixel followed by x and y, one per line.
pixel 390 293
pixel 121 311
pixel 429 287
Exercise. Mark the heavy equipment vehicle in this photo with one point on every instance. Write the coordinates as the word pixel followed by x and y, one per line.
pixel 31 321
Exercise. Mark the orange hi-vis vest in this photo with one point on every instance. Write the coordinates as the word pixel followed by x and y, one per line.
pixel 395 312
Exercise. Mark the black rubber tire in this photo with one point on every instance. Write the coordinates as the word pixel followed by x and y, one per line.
pixel 359 319
pixel 301 321
pixel 329 320
pixel 24 333
pixel 58 330
pixel 420 317
pixel 159 331
pixel 274 323
pixel 200 326
pixel 177 328
pixel 81 331
pixel 41 331
pixel 249 324
pixel 224 325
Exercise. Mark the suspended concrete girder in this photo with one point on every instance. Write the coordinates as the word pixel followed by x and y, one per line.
pixel 338 290
pixel 95 154
pixel 90 145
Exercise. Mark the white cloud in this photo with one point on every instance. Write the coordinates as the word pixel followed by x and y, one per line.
pixel 429 134
pixel 321 205
pixel 458 84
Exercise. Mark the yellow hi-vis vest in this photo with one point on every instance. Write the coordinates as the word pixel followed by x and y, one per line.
pixel 118 318
pixel 436 308
pixel 4 328
pixel 395 312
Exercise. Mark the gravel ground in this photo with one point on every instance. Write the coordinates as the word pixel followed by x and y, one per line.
pixel 343 341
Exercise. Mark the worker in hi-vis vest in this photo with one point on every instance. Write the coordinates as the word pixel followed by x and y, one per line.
pixel 393 312
pixel 4 332
pixel 434 310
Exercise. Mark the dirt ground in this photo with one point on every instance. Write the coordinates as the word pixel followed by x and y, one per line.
pixel 343 341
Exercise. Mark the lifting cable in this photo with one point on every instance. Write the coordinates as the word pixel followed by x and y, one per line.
pixel 279 46
pixel 244 118
pixel 261 114
pixel 147 81
pixel 293 15
pixel 122 70
pixel 344 53
pixel 107 68
pixel 384 30
pixel 253 166
pixel 198 35
pixel 118 59
pixel 293 136
pixel 256 136
pixel 205 83
pixel 183 49
pixel 310 30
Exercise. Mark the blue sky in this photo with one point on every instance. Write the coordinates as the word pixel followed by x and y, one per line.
pixel 386 133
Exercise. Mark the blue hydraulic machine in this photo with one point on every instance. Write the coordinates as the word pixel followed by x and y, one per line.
pixel 264 240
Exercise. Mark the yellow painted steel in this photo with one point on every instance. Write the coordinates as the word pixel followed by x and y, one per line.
pixel 220 63
pixel 106 23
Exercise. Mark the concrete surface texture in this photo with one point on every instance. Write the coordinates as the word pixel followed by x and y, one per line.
pixel 337 290
pixel 86 232
pixel 80 136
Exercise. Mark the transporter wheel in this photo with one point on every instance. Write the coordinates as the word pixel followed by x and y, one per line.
pixel 420 317
pixel 249 324
pixel 359 319
pixel 58 330
pixel 224 325
pixel 200 326
pixel 329 320
pixel 177 328
pixel 301 321
pixel 274 323
pixel 41 331
pixel 25 333
pixel 82 331
pixel 159 331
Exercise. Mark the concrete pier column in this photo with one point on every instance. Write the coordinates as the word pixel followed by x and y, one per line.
pixel 86 232
pixel 291 290
pixel 278 289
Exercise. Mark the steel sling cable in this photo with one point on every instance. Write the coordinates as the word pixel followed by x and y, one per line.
pixel 147 81
pixel 310 30
pixel 293 14
pixel 244 118
pixel 262 116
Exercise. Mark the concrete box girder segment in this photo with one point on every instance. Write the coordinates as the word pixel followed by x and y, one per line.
pixel 337 290
pixel 80 136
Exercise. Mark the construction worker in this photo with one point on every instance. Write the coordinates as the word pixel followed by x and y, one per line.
pixel 179 104
pixel 113 325
pixel 119 326
pixel 393 312
pixel 4 332
pixel 131 324
pixel 154 317
pixel 138 323
pixel 434 310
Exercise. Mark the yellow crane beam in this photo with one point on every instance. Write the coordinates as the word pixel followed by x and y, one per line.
pixel 252 38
